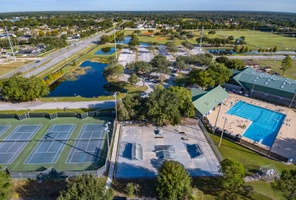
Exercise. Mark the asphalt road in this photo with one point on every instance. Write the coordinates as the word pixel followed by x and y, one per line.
pixel 55 57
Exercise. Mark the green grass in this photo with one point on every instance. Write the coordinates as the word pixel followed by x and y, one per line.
pixel 127 86
pixel 276 65
pixel 60 165
pixel 252 162
pixel 75 99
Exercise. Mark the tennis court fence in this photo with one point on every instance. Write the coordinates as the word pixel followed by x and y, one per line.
pixel 51 173
pixel 58 114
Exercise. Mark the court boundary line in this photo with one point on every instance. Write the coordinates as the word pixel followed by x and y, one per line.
pixel 74 148
pixel 24 144
pixel 5 129
pixel 73 126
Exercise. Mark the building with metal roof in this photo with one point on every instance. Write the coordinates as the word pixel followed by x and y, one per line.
pixel 265 86
pixel 206 101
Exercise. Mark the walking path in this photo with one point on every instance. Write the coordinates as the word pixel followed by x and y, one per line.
pixel 113 158
pixel 56 105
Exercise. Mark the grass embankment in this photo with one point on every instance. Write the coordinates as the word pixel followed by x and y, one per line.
pixel 49 111
pixel 276 65
pixel 126 86
pixel 8 66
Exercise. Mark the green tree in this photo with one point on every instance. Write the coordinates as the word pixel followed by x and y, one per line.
pixel 180 64
pixel 162 105
pixel 171 47
pixel 242 50
pixel 196 194
pixel 133 79
pixel 113 71
pixel 286 184
pixel 186 107
pixel 133 49
pixel 134 41
pixel 286 64
pixel 5 185
pixel 230 37
pixel 161 64
pixel 173 181
pixel 275 49
pixel 201 78
pixel 122 112
pixel 86 186
pixel 233 175
pixel 132 106
pixel 142 67
pixel 235 64
pixel 20 89
pixel 236 49
pixel 219 73
pixel 119 46
pixel 131 189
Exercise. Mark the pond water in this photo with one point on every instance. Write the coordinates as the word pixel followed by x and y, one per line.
pixel 106 51
pixel 90 84
pixel 222 51
pixel 127 39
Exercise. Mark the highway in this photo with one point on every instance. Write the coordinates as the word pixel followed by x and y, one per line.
pixel 55 57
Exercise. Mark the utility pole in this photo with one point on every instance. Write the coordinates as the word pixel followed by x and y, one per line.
pixel 10 43
pixel 114 41
pixel 200 42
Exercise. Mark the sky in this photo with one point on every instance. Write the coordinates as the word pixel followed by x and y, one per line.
pixel 145 5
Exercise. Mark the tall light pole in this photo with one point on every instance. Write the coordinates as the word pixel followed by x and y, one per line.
pixel 225 120
pixel 10 43
pixel 114 34
pixel 200 42
pixel 292 99
pixel 214 128
pixel 115 94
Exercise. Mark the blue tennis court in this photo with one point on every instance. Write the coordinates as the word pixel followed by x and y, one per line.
pixel 3 129
pixel 16 141
pixel 52 144
pixel 265 123
pixel 89 144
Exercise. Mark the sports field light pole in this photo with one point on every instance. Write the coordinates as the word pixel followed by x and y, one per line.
pixel 225 120
pixel 115 42
pixel 220 105
pixel 115 94
pixel 292 99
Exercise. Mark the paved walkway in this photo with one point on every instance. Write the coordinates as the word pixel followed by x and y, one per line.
pixel 56 105
pixel 113 158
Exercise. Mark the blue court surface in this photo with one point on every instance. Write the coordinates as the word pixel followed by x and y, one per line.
pixel 3 129
pixel 89 144
pixel 52 144
pixel 11 147
pixel 265 123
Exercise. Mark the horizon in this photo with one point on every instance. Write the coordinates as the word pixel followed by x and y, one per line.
pixel 7 6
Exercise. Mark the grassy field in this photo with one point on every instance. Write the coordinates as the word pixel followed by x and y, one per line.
pixel 60 165
pixel 254 39
pixel 276 65
pixel 10 65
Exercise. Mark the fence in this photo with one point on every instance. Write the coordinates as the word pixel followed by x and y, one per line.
pixel 62 175
pixel 59 114
pixel 210 141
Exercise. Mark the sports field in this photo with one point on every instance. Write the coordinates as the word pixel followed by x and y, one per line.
pixel 67 144
pixel 254 39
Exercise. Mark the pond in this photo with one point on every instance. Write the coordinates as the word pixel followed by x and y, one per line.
pixel 127 39
pixel 106 51
pixel 90 84
pixel 221 51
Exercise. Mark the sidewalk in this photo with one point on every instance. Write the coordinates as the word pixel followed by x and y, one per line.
pixel 56 105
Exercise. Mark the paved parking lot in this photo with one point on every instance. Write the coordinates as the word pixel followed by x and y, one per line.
pixel 126 56
pixel 127 167
pixel 144 54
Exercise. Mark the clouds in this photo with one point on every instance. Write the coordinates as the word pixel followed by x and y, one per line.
pixel 132 5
